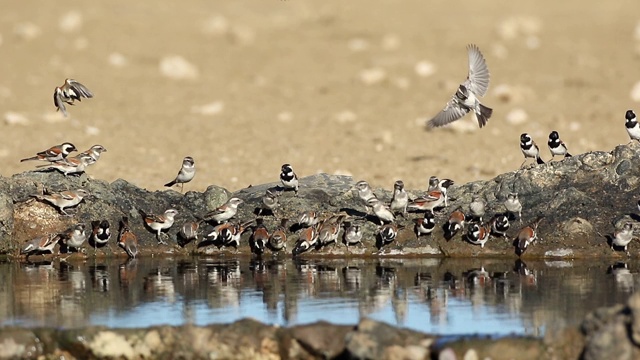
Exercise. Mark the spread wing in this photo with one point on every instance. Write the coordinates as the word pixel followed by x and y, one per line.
pixel 449 114
pixel 57 101
pixel 80 89
pixel 478 78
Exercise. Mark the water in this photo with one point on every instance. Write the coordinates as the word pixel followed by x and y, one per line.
pixel 441 296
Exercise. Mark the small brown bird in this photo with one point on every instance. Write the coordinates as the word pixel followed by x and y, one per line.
pixel 189 231
pixel 308 239
pixel 70 91
pixel 93 153
pixel 278 239
pixel 127 239
pixel 454 224
pixel 65 199
pixel 259 237
pixel 526 236
pixel 54 153
pixel 157 223
pixel 40 244
pixel 70 165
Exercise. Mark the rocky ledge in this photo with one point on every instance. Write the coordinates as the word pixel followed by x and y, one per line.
pixel 583 199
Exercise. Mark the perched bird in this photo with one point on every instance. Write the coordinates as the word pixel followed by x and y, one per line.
pixel 259 237
pixel 478 234
pixel 400 198
pixel 189 231
pixel 365 193
pixel 427 202
pixel 70 91
pixel 270 201
pixel 54 153
pixel 307 218
pixel 499 225
pixel 557 146
pixel 454 224
pixel 186 173
pixel 476 208
pixel 215 233
pixel 231 235
pixel 40 244
pixel 127 239
pixel 69 166
pixel 623 237
pixel 631 124
pixel 93 153
pixel 329 230
pixel 381 210
pixel 386 234
pixel 466 97
pixel 529 149
pixel 513 205
pixel 425 225
pixel 526 236
pixel 74 237
pixel 352 235
pixel 443 185
pixel 157 223
pixel 278 238
pixel 224 212
pixel 101 233
pixel 289 178
pixel 65 199
pixel 308 239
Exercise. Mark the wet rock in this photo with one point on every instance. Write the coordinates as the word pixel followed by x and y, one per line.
pixel 376 340
pixel 318 340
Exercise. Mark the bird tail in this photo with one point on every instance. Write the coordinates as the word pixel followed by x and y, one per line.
pixel 539 160
pixel 567 155
pixel 484 115
pixel 31 158
pixel 170 184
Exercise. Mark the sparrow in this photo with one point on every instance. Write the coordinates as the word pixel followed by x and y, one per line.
pixel 127 239
pixel 381 210
pixel 400 198
pixel 443 185
pixel 529 149
pixel 478 234
pixel 70 91
pixel 427 202
pixel 54 153
pixel 466 97
pixel 278 238
pixel 74 237
pixel 307 218
pixel 289 178
pixel 476 208
pixel 157 223
pixel 352 235
pixel 425 225
pixel 454 224
pixel 499 225
pixel 215 233
pixel 259 237
pixel 186 173
pixel 224 212
pixel 189 231
pixel 69 166
pixel 526 236
pixel 308 239
pixel 270 201
pixel 623 237
pixel 557 146
pixel 386 234
pixel 231 235
pixel 631 125
pixel 65 199
pixel 513 205
pixel 100 233
pixel 40 244
pixel 93 153
pixel 329 230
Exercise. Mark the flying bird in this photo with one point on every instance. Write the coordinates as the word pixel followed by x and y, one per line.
pixel 70 91
pixel 466 97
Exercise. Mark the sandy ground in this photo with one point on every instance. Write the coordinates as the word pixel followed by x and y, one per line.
pixel 328 86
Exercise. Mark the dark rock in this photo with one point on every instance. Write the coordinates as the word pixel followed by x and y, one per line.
pixel 376 340
pixel 319 340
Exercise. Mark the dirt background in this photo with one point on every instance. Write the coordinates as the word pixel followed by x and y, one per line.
pixel 328 86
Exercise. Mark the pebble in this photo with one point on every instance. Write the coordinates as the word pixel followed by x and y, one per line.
pixel 358 45
pixel 285 117
pixel 346 116
pixel 53 117
pixel 390 42
pixel 636 31
pixel 216 25
pixel 117 59
pixel 425 68
pixel 71 21
pixel 92 130
pixel 14 118
pixel 519 26
pixel 178 68
pixel 373 76
pixel 210 109
pixel 27 31
pixel 517 116
pixel 635 92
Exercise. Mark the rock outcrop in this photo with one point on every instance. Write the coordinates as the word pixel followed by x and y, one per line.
pixel 582 198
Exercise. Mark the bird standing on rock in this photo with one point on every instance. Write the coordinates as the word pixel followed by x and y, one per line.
pixel 631 124
pixel 54 153
pixel 529 149
pixel 288 178
pixel 557 146
pixel 185 174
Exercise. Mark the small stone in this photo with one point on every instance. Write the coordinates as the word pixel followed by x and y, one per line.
pixel 346 116
pixel 373 76
pixel 81 43
pixel 71 21
pixel 27 31
pixel 243 34
pixel 92 130
pixel 471 354
pixel 401 82
pixel 635 92
pixel 210 109
pixel 425 68
pixel 463 126
pixel 390 42
pixel 447 354
pixel 53 117
pixel 358 44
pixel 178 68
pixel 216 25
pixel 517 117
pixel 285 117
pixel 503 92
pixel 14 118
pixel 532 42
pixel 117 60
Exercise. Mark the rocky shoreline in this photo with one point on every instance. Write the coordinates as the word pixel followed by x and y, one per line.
pixel 581 198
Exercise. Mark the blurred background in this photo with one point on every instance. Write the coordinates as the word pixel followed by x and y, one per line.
pixel 332 86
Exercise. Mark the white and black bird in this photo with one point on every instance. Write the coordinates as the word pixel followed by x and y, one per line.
pixel 70 91
pixel 478 234
pixel 352 234
pixel 623 237
pixel 381 210
pixel 499 225
pixel 557 146
pixel 54 153
pixel 631 124
pixel 425 225
pixel 101 233
pixel 443 185
pixel 400 198
pixel 387 234
pixel 289 178
pixel 74 237
pixel 185 174
pixel 467 96
pixel 529 149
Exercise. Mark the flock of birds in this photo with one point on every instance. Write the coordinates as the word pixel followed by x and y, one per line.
pixel 314 231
